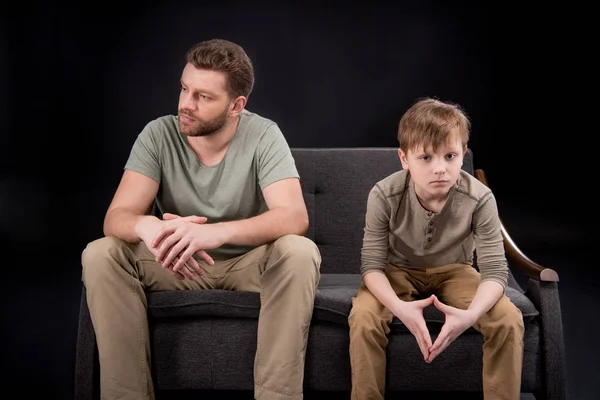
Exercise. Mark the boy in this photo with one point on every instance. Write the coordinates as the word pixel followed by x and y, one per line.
pixel 422 225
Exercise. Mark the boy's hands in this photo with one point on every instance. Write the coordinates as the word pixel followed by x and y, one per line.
pixel 411 315
pixel 457 321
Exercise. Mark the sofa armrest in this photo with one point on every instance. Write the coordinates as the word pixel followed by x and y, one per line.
pixel 516 257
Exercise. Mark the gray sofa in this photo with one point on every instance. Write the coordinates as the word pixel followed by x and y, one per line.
pixel 206 339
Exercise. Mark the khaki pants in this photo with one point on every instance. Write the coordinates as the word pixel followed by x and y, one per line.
pixel 502 328
pixel 117 275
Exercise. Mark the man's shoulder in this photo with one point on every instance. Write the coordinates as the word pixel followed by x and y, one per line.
pixel 165 123
pixel 393 184
pixel 255 123
pixel 471 187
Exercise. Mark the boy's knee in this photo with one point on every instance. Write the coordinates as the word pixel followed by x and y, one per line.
pixel 507 319
pixel 364 315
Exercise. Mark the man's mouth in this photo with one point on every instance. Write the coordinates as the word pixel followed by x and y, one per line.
pixel 186 118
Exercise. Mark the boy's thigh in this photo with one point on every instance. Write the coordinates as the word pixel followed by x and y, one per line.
pixel 405 282
pixel 455 284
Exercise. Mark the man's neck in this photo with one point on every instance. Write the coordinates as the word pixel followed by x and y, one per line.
pixel 211 149
pixel 218 141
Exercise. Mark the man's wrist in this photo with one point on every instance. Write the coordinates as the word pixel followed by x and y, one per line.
pixel 226 232
pixel 142 223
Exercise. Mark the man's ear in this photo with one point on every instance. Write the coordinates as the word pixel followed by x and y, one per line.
pixel 238 105
pixel 464 149
pixel 403 158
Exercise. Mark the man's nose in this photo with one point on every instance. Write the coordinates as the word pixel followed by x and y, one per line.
pixel 186 102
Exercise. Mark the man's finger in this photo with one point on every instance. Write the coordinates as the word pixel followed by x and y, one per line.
pixel 185 272
pixel 192 263
pixel 186 259
pixel 176 274
pixel 195 219
pixel 162 234
pixel 164 248
pixel 204 255
pixel 175 253
pixel 190 218
pixel 168 216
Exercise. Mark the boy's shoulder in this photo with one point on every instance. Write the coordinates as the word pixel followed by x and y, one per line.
pixel 471 187
pixel 393 184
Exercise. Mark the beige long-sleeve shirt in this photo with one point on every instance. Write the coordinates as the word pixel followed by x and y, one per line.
pixel 399 231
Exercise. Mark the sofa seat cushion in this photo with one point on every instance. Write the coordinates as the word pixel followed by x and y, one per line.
pixel 332 303
pixel 203 303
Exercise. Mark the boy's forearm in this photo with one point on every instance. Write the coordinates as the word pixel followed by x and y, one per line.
pixel 486 296
pixel 378 284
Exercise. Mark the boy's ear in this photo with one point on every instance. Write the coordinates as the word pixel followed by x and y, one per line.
pixel 403 158
pixel 464 149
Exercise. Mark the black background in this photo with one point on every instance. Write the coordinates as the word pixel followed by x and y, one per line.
pixel 78 84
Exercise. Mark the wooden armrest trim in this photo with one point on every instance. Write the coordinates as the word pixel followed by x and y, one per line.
pixel 515 255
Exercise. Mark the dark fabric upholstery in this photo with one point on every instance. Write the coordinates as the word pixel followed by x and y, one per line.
pixel 207 339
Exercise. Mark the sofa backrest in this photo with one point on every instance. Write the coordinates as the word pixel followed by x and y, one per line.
pixel 335 184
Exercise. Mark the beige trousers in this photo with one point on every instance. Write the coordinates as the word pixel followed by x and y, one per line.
pixel 502 328
pixel 117 275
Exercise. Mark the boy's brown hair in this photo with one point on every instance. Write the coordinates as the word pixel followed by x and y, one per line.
pixel 432 122
pixel 227 57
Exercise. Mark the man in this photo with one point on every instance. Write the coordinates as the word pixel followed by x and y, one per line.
pixel 233 217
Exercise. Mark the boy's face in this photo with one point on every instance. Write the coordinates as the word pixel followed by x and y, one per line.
pixel 434 173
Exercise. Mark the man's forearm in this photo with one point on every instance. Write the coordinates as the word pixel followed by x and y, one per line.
pixel 266 227
pixel 124 224
pixel 486 296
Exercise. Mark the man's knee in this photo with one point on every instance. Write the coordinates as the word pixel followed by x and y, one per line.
pixel 97 256
pixel 301 253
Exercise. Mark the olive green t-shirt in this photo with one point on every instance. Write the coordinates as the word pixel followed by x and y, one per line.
pixel 230 190
pixel 399 231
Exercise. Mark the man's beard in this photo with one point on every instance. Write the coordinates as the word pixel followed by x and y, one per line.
pixel 204 128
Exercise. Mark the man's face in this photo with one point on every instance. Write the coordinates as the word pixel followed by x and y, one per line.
pixel 204 104
pixel 434 173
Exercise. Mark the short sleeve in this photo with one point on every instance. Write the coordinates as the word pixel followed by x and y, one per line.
pixel 275 160
pixel 144 155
